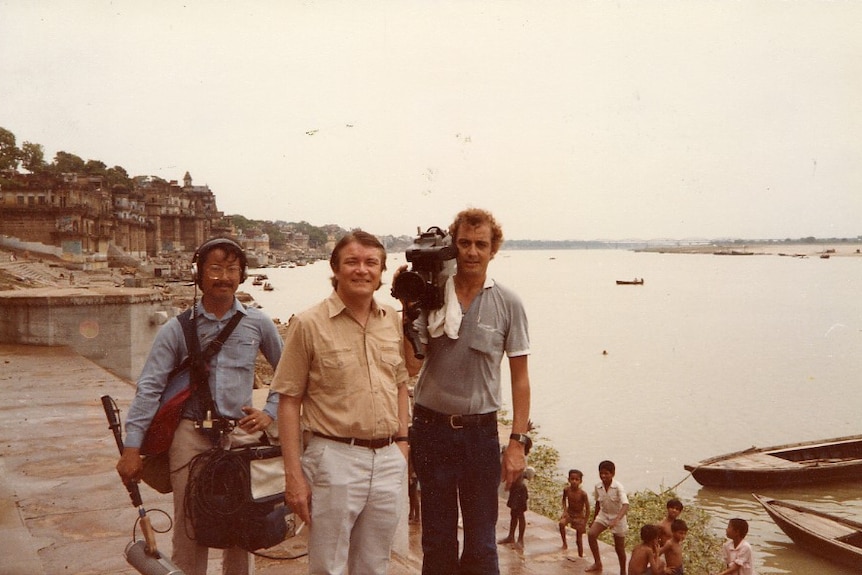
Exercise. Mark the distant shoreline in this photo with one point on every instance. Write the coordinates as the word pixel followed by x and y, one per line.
pixel 843 249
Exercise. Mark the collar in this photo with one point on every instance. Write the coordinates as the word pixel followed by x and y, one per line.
pixel 237 307
pixel 335 306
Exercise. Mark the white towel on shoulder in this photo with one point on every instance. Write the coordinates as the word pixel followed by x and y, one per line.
pixel 447 319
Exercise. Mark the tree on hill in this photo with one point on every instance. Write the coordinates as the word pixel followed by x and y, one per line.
pixel 66 163
pixel 9 152
pixel 33 157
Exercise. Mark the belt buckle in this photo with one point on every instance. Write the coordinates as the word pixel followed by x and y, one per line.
pixel 452 423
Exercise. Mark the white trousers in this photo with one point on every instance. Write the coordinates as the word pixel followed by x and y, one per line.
pixel 356 502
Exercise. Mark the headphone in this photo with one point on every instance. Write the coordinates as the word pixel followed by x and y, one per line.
pixel 201 255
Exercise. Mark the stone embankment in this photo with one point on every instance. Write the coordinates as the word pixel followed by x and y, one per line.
pixel 64 510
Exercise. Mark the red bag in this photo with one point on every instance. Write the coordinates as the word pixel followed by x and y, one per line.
pixel 161 431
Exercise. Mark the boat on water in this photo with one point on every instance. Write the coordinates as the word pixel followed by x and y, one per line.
pixel 268 287
pixel 829 536
pixel 807 463
pixel 257 282
pixel 634 282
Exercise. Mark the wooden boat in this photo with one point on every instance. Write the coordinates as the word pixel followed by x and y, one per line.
pixel 268 287
pixel 634 282
pixel 257 282
pixel 829 536
pixel 805 463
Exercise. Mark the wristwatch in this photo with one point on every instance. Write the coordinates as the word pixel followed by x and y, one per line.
pixel 521 438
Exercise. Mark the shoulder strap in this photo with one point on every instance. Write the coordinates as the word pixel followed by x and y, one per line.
pixel 200 373
pixel 186 323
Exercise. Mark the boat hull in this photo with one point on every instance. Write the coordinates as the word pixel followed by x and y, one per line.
pixel 796 464
pixel 829 536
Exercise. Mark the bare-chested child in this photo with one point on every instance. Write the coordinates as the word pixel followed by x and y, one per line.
pixel 674 509
pixel 672 549
pixel 576 510
pixel 644 559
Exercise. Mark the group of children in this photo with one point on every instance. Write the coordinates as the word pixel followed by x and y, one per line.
pixel 660 550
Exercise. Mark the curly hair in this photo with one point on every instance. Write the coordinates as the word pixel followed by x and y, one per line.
pixel 475 217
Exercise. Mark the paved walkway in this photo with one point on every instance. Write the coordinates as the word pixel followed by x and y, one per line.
pixel 64 510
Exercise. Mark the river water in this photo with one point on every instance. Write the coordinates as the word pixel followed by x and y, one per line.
pixel 712 354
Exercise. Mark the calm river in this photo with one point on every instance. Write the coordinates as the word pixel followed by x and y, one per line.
pixel 712 354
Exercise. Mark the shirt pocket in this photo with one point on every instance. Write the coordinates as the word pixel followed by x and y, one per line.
pixel 336 367
pixel 242 354
pixel 487 339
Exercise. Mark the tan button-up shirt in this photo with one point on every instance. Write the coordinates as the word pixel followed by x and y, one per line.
pixel 347 375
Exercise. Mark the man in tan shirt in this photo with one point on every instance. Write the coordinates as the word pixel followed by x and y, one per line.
pixel 342 378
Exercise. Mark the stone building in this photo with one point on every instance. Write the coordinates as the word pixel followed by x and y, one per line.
pixel 83 218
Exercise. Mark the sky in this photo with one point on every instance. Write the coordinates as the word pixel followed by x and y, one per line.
pixel 567 119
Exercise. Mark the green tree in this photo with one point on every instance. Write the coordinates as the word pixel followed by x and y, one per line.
pixel 117 176
pixel 9 152
pixel 66 163
pixel 33 157
pixel 95 168
pixel 316 236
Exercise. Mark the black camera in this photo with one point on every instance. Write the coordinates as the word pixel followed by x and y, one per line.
pixel 423 287
pixel 432 256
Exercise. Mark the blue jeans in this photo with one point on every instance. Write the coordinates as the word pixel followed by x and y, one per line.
pixel 457 466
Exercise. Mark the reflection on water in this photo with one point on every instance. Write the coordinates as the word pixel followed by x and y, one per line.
pixel 711 355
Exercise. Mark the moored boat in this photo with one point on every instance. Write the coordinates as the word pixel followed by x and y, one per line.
pixel 806 463
pixel 829 536
pixel 634 282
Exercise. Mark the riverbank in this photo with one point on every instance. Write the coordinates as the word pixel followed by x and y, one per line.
pixel 63 509
pixel 789 249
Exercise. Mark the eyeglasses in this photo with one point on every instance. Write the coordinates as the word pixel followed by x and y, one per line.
pixel 217 271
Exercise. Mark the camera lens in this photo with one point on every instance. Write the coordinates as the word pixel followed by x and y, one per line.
pixel 408 286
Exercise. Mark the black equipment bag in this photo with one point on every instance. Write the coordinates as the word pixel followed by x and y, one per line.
pixel 235 498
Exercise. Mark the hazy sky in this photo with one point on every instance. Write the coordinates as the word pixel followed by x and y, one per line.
pixel 568 120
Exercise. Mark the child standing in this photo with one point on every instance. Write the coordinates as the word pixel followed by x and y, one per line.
pixel 672 549
pixel 612 504
pixel 517 503
pixel 737 552
pixel 576 510
pixel 674 510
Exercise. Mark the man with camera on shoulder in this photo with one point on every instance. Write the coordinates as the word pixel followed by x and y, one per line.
pixel 454 438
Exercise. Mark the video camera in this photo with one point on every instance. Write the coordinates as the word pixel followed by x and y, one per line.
pixel 423 287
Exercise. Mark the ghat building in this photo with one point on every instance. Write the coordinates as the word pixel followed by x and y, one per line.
pixel 79 219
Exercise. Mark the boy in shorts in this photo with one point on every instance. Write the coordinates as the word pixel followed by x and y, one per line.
pixel 576 510
pixel 612 504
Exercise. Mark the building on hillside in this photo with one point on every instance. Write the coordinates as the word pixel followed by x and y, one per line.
pixel 82 218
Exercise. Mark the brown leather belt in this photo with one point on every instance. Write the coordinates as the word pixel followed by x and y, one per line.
pixel 367 443
pixel 455 421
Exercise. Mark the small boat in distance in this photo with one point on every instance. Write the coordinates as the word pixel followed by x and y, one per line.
pixel 829 536
pixel 807 463
pixel 257 281
pixel 268 287
pixel 634 282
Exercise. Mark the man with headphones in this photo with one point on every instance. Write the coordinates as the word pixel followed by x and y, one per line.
pixel 218 267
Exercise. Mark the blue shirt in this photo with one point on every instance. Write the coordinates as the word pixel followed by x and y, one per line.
pixel 231 370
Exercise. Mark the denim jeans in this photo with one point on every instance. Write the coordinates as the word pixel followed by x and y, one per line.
pixel 457 466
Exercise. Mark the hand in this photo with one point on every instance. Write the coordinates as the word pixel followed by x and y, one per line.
pixel 130 466
pixel 255 420
pixel 514 462
pixel 297 496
